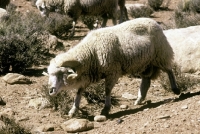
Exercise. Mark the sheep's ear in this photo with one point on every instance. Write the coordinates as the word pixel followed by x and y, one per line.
pixel 72 76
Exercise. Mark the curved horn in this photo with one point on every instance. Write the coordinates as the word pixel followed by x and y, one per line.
pixel 65 60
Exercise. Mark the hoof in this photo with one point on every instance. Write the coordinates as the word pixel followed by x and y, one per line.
pixel 105 111
pixel 176 91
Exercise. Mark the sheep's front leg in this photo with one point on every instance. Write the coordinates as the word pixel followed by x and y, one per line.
pixel 142 92
pixel 77 100
pixel 109 84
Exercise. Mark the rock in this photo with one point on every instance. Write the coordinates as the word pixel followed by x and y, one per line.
pixel 184 107
pixel 186 46
pixel 14 78
pixel 52 42
pixel 46 128
pixel 100 118
pixel 164 117
pixel 129 96
pixel 8 112
pixel 39 103
pixel 77 125
pixel 123 106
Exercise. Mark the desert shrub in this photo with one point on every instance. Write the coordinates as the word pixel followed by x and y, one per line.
pixel 21 46
pixel 61 102
pixel 137 12
pixel 189 6
pixel 155 4
pixel 184 82
pixel 195 6
pixel 58 25
pixel 91 21
pixel 94 94
pixel 11 127
pixel 185 19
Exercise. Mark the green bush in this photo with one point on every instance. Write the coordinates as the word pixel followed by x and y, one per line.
pixel 184 82
pixel 11 127
pixel 144 11
pixel 62 102
pixel 58 25
pixel 19 48
pixel 155 4
pixel 21 39
pixel 186 19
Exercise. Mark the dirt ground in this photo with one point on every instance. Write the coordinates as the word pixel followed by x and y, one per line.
pixel 167 113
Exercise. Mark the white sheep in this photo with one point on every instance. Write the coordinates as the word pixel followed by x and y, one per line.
pixel 76 8
pixel 3 14
pixel 134 47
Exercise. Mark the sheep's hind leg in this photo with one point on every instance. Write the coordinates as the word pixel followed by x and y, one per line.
pixel 109 84
pixel 173 82
pixel 73 29
pixel 145 84
pixel 77 100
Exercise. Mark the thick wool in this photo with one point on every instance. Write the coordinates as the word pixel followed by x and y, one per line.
pixel 133 47
pixel 130 47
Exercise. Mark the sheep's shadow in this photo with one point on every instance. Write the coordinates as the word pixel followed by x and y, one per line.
pixel 183 96
pixel 120 114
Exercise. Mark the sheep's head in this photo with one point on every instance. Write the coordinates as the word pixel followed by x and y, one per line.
pixel 60 77
pixel 44 10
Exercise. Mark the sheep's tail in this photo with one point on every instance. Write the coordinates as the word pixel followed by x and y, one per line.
pixel 151 72
pixel 155 73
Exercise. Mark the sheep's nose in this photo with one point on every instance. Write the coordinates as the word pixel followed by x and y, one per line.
pixel 52 90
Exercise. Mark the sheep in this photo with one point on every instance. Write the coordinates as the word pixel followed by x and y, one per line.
pixel 186 45
pixel 3 14
pixel 4 3
pixel 76 8
pixel 134 47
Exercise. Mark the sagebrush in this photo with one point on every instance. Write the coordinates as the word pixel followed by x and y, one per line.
pixel 21 46
pixel 184 82
pixel 11 126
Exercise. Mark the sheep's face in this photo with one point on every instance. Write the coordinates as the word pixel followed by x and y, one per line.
pixel 44 10
pixel 60 77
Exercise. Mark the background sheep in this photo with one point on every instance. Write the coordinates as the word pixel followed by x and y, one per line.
pixel 76 8
pixel 133 47
pixel 3 14
pixel 4 3
pixel 186 45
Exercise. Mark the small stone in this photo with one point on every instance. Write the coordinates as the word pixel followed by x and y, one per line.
pixel 77 125
pixel 46 128
pixel 39 103
pixel 14 78
pixel 146 109
pixel 184 107
pixel 119 121
pixel 164 117
pixel 100 118
pixel 129 96
pixel 123 106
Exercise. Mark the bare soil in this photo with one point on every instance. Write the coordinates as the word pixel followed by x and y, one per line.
pixel 164 113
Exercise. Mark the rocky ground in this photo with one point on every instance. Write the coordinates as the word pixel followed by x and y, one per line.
pixel 164 112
